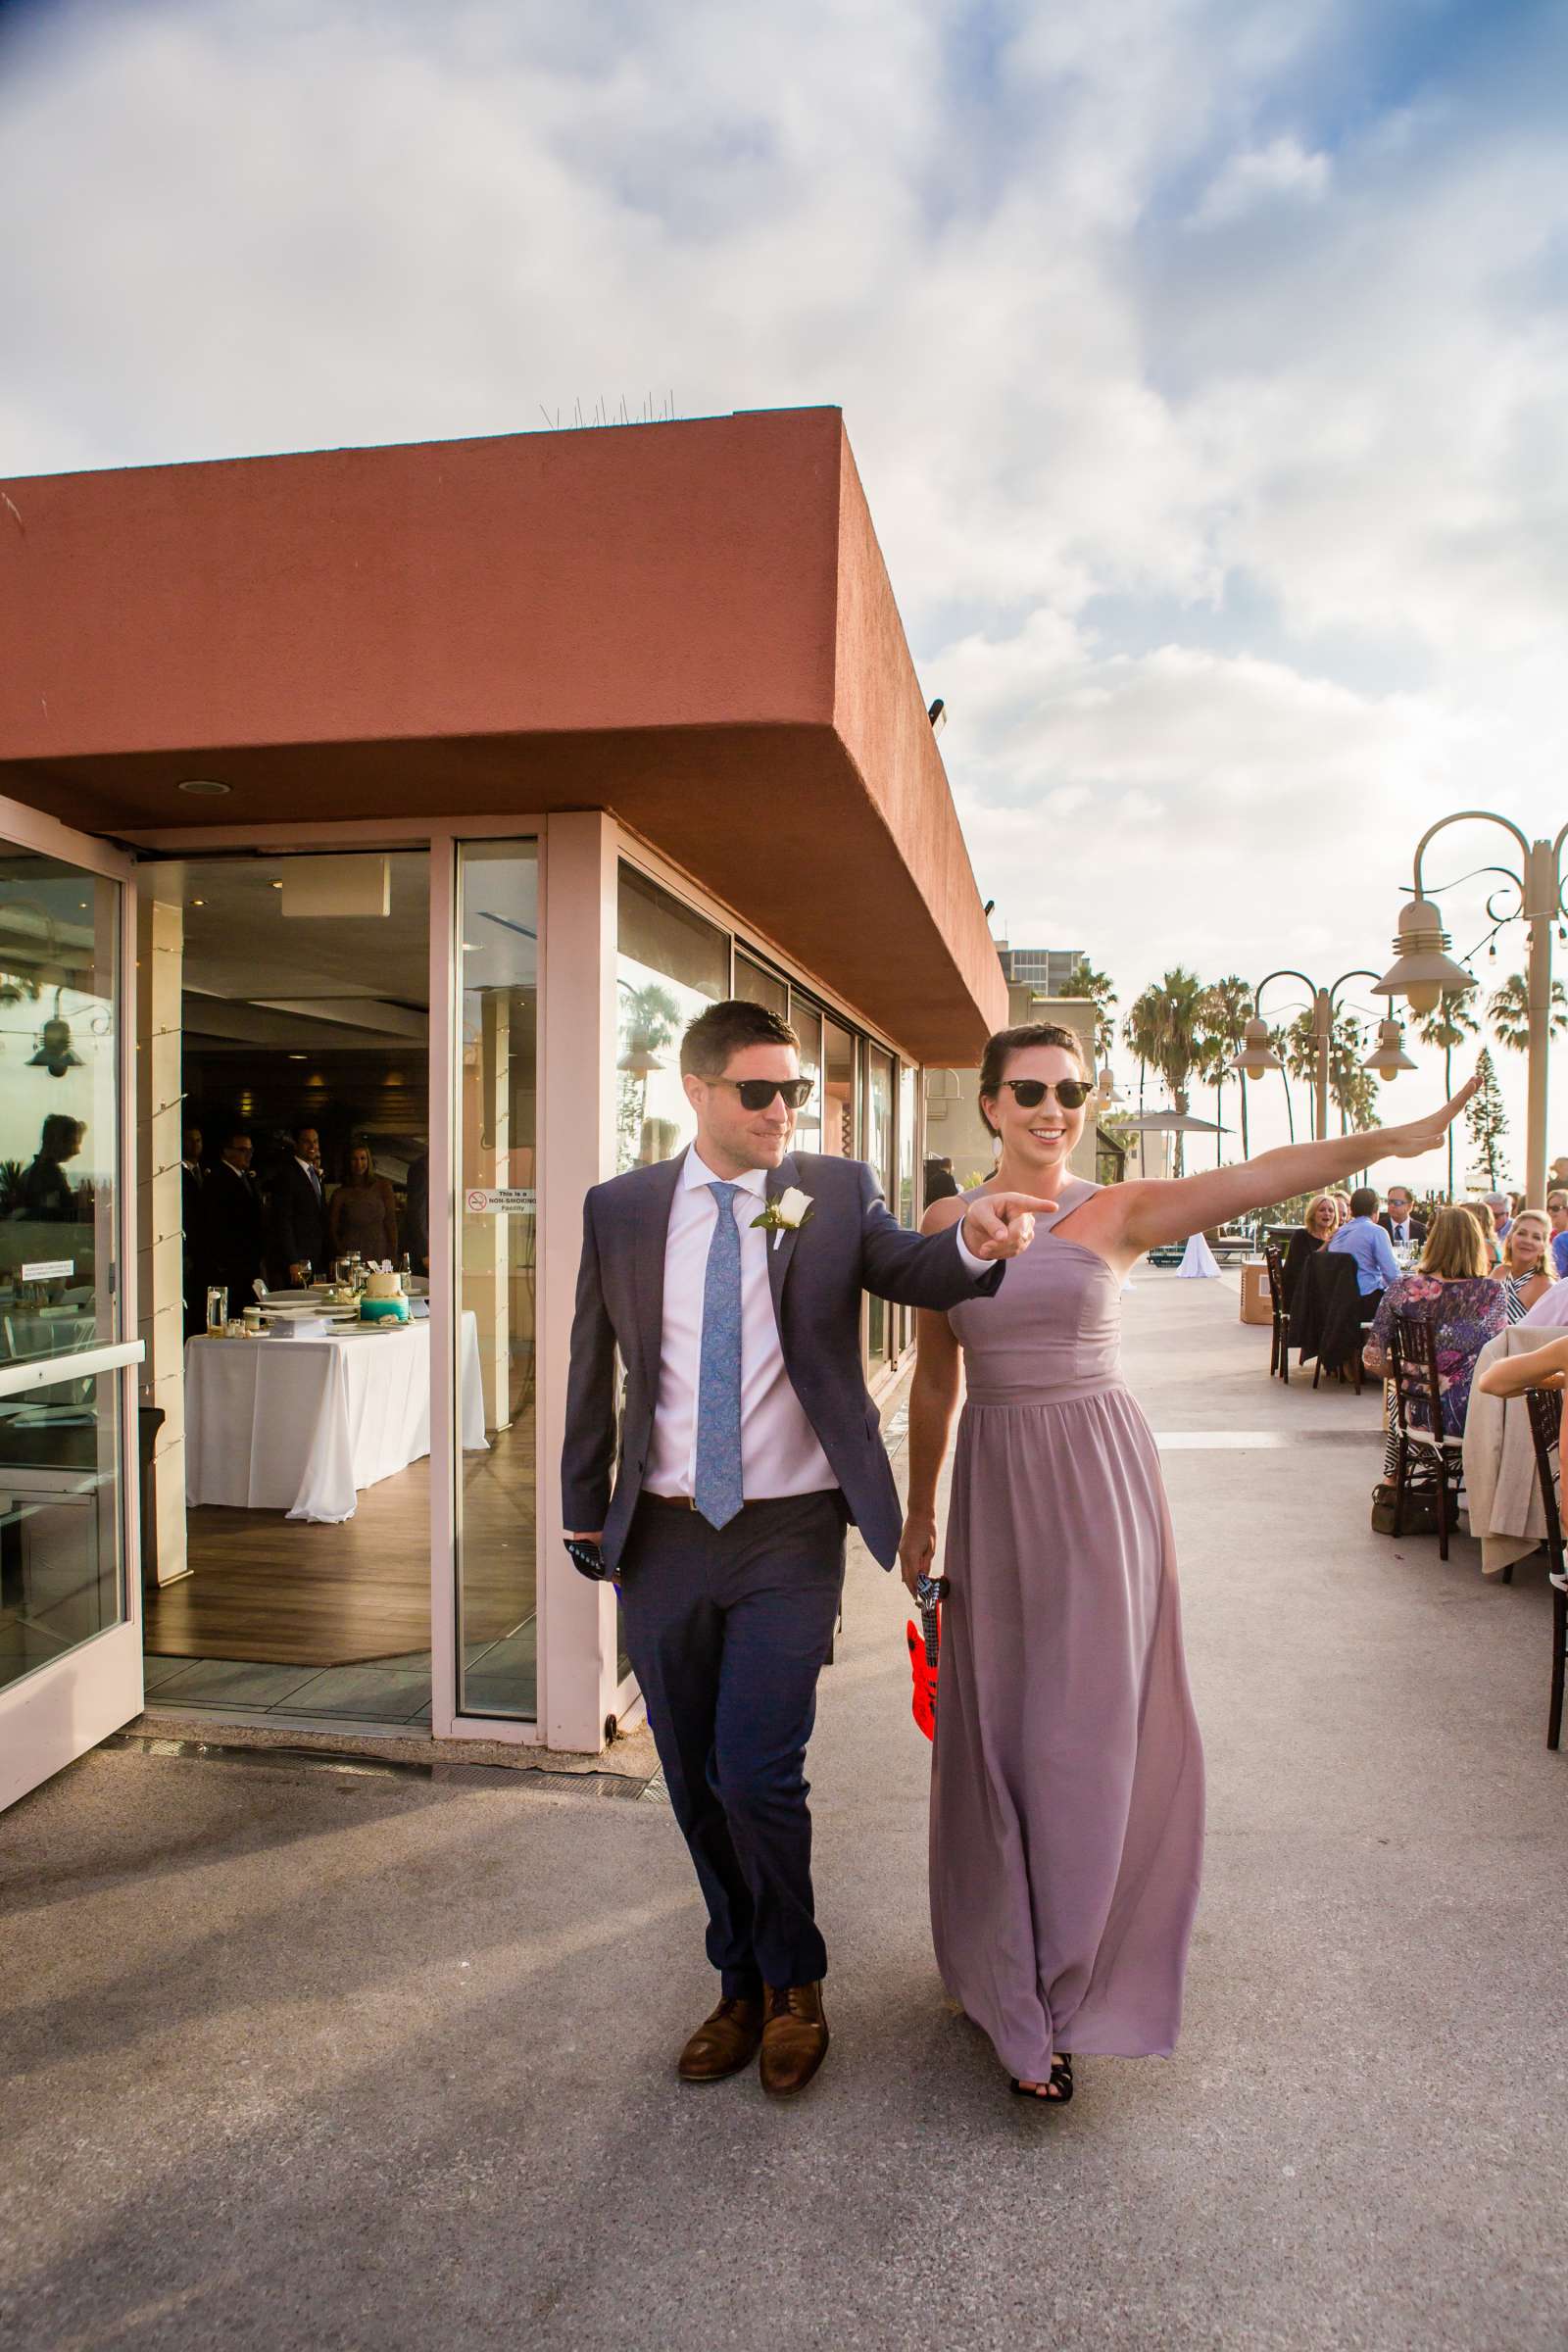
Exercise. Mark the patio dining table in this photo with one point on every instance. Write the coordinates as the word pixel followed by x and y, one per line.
pixel 300 1425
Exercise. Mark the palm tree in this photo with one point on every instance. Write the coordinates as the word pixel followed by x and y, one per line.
pixel 1141 1031
pixel 1084 981
pixel 1300 1053
pixel 1171 1027
pixel 1450 1022
pixel 1508 1011
pixel 1227 1010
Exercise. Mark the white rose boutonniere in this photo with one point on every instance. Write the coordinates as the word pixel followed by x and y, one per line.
pixel 787 1215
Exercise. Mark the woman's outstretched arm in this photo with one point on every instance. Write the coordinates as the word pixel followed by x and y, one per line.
pixel 1153 1212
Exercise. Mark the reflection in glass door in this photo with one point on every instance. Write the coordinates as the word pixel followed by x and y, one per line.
pixel 63 1390
pixel 497 1227
pixel 881 1338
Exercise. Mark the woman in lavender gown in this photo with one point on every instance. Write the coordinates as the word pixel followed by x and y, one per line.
pixel 1067 1791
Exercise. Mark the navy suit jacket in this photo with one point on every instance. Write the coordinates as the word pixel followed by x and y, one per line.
pixel 851 1242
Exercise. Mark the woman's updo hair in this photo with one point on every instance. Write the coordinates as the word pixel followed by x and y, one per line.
pixel 1000 1049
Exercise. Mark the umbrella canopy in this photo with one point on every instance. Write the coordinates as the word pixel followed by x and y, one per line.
pixel 1168 1122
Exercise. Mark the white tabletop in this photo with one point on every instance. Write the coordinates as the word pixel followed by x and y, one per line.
pixel 300 1425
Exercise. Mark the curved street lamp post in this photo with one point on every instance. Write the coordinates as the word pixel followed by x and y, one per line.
pixel 1388 1058
pixel 1425 972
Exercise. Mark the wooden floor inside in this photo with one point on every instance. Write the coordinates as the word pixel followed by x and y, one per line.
pixel 287 1593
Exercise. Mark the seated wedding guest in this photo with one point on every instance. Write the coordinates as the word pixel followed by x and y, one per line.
pixel 231 1224
pixel 938 1180
pixel 1451 1288
pixel 298 1213
pixel 1481 1210
pixel 1400 1220
pixel 46 1195
pixel 1526 1273
pixel 1342 1207
pixel 1320 1223
pixel 1365 1240
pixel 1557 1211
pixel 1501 1208
pixel 364 1215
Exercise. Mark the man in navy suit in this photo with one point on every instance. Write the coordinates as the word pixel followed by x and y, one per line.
pixel 298 1213
pixel 729 1280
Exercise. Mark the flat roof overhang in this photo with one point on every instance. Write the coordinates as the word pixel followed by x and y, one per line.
pixel 690 625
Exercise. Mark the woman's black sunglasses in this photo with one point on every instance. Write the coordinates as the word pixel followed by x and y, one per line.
pixel 757 1094
pixel 1030 1092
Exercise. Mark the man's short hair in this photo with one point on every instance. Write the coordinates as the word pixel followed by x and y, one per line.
pixel 726 1029
pixel 1363 1202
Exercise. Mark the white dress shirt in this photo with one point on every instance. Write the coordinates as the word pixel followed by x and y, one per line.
pixel 780 1451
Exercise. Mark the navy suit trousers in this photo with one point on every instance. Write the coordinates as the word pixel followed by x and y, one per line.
pixel 729 1630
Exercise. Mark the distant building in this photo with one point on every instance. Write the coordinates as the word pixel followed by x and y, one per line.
pixel 1042 971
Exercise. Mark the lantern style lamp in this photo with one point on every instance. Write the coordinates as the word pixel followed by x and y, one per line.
pixel 1388 1057
pixel 1423 971
pixel 1257 1055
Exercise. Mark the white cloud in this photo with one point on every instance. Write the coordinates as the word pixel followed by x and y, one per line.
pixel 1284 170
pixel 1258 539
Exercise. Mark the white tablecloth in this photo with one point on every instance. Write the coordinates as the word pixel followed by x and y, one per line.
pixel 301 1425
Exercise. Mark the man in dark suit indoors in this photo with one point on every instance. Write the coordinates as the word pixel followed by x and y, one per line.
pixel 729 1280
pixel 1399 1220
pixel 232 1223
pixel 298 1213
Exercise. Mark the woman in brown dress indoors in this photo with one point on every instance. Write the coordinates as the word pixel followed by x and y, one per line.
pixel 363 1215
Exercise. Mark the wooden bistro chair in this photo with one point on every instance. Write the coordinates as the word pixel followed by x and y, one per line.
pixel 1280 1354
pixel 1425 1458
pixel 1545 1429
pixel 1326 1317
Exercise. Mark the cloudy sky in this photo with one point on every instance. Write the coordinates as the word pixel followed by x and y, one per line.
pixel 1205 361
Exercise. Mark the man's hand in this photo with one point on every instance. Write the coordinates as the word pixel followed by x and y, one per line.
pixel 917 1547
pixel 1002 1224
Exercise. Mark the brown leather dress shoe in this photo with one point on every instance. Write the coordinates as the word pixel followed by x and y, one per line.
pixel 794 2037
pixel 722 2043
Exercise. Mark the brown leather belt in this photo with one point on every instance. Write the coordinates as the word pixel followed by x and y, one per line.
pixel 672 1503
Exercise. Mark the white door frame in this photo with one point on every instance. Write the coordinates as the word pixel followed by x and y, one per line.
pixel 61 1710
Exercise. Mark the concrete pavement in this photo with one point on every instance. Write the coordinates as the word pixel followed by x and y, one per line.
pixel 298 2058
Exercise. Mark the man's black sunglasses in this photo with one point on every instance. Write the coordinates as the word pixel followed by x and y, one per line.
pixel 1030 1092
pixel 757 1094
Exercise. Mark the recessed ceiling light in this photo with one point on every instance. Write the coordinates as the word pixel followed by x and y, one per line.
pixel 198 902
pixel 299 1057
pixel 204 787
pixel 277 885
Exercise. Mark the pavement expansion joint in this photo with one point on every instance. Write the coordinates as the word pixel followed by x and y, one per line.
pixel 530 1779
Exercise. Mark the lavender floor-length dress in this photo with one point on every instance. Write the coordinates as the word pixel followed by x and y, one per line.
pixel 1068 1798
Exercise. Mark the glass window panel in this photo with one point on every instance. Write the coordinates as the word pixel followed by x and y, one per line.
pixel 759 986
pixel 879 1151
pixel 59 1125
pixel 670 965
pixel 841 1125
pixel 497 1553
pixel 908 1209
pixel 807 1026
pixel 60 1521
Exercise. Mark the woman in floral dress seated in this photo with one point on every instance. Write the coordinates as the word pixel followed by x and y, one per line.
pixel 1451 1288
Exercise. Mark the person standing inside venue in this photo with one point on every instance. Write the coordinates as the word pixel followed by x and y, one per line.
pixel 1365 1240
pixel 1526 1272
pixel 232 1223
pixel 1399 1220
pixel 46 1195
pixel 299 1242
pixel 191 1175
pixel 364 1212
pixel 418 1221
pixel 729 1280
pixel 1067 1790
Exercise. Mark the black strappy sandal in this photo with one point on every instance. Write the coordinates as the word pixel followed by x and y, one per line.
pixel 1058 2090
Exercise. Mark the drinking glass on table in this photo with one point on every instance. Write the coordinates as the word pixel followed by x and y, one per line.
pixel 306 1271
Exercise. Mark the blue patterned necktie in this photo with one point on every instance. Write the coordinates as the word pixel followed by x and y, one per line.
pixel 720 1489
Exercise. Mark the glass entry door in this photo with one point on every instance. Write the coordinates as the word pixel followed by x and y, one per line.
pixel 70 1637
